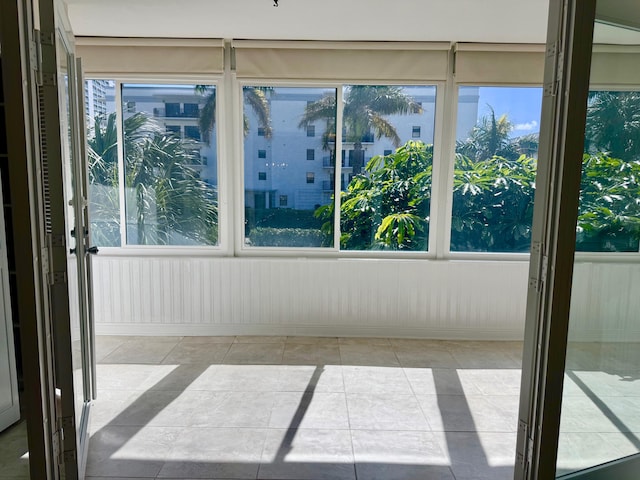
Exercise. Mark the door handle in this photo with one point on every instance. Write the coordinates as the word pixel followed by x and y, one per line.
pixel 92 250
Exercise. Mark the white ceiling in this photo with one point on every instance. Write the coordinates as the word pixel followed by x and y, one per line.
pixel 498 21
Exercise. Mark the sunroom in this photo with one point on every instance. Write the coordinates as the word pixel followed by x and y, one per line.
pixel 300 245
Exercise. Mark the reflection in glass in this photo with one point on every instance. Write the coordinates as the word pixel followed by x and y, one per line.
pixel 288 173
pixel 495 168
pixel 170 159
pixel 601 396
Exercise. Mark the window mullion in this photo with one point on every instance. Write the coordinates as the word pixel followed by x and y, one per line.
pixel 337 179
pixel 121 162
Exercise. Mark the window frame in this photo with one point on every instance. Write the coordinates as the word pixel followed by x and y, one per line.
pixel 242 250
pixel 224 245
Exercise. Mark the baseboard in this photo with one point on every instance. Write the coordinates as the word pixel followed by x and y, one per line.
pixel 314 331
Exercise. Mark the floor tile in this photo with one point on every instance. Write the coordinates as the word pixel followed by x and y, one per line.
pixel 577 451
pixel 208 340
pixel 482 355
pixel 364 341
pixel 239 378
pixel 130 451
pixel 190 352
pixel 13 450
pixel 425 355
pixel 376 380
pixel 254 354
pixel 440 381
pixel 491 381
pixel 459 413
pixel 260 339
pixel 311 378
pixel 215 453
pixel 142 350
pixel 394 455
pixel 131 377
pixel 480 455
pixel 313 340
pixel 295 354
pixel 106 344
pixel 320 411
pixel 385 412
pixel 234 409
pixel 369 355
pixel 307 454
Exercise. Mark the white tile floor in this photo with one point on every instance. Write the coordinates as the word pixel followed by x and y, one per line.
pixel 304 408
pixel 328 408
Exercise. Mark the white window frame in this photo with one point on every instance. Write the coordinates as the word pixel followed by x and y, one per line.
pixel 223 248
pixel 334 252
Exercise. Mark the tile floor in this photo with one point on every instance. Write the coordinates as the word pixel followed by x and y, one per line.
pixel 304 408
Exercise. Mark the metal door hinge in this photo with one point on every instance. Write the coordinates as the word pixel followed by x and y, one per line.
pixel 57 277
pixel 554 59
pixel 524 452
pixel 540 260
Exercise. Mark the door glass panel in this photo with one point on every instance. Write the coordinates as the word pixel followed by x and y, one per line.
pixel 75 237
pixel 600 419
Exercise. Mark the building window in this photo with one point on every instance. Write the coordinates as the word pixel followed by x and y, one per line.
pixel 388 152
pixel 175 202
pixel 191 110
pixel 415 132
pixel 261 131
pixel 175 129
pixel 131 107
pixel 262 154
pixel 311 130
pixel 495 168
pixel 296 225
pixel 262 175
pixel 172 110
pixel 192 132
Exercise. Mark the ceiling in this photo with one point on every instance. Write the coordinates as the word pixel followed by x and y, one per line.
pixel 510 21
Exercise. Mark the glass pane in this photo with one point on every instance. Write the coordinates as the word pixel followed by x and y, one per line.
pixel 609 216
pixel 495 168
pixel 601 395
pixel 288 191
pixel 387 157
pixel 104 196
pixel 170 158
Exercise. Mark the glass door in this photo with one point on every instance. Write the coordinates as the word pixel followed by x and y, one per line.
pixel 600 418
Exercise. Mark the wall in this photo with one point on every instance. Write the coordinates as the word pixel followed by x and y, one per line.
pixel 438 299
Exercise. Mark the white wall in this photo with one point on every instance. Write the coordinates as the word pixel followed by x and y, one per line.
pixel 148 295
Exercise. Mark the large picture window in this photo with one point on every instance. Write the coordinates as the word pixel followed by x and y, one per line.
pixel 495 168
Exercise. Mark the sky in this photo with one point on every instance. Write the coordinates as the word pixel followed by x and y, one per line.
pixel 521 104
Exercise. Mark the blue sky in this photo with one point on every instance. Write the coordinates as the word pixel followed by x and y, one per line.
pixel 521 104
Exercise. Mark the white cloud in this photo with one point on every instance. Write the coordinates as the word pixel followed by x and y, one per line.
pixel 526 126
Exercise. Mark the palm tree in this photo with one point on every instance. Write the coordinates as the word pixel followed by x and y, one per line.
pixel 365 108
pixel 255 97
pixel 613 124
pixel 158 171
pixel 489 138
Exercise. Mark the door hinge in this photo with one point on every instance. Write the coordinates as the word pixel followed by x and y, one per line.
pixel 524 452
pixel 538 279
pixel 35 54
pixel 555 59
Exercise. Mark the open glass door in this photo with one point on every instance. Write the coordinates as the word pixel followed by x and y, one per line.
pixel 600 418
pixel 580 400
pixel 66 224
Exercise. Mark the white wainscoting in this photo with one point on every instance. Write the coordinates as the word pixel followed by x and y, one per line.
pixel 462 299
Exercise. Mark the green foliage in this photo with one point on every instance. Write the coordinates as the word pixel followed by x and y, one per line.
pixel 168 196
pixel 285 237
pixel 609 213
pixel 387 208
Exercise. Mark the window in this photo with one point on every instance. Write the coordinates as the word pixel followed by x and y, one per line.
pixel 262 175
pixel 175 129
pixel 311 130
pixel 104 191
pixel 311 154
pixel 191 110
pixel 494 173
pixel 387 152
pixel 415 132
pixel 389 211
pixel 192 132
pixel 172 110
pixel 170 199
pixel 131 107
pixel 262 154
pixel 261 131
pixel 609 209
pixel 289 176
pixel 284 199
